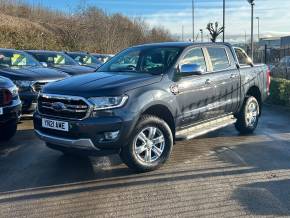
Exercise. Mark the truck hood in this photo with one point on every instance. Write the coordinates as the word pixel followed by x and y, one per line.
pixel 101 84
pixel 32 74
pixel 75 69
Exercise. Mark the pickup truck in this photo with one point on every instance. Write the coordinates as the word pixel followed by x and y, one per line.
pixel 168 92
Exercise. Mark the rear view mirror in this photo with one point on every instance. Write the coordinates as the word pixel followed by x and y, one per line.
pixel 191 69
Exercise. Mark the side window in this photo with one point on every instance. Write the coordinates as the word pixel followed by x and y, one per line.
pixel 219 58
pixel 195 56
pixel 242 57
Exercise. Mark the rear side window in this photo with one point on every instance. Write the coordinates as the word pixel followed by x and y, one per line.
pixel 242 57
pixel 195 56
pixel 219 58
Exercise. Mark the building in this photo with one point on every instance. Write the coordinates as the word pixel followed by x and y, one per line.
pixel 271 42
pixel 285 46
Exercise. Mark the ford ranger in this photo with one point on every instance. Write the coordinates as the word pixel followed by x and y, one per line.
pixel 149 96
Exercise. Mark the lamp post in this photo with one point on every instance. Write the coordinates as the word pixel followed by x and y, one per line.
pixel 201 35
pixel 258 18
pixel 193 21
pixel 224 19
pixel 252 2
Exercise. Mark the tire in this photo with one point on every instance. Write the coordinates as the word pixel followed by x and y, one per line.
pixel 141 153
pixel 248 118
pixel 8 131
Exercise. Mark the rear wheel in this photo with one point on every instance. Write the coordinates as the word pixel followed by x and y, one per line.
pixel 150 145
pixel 8 131
pixel 248 118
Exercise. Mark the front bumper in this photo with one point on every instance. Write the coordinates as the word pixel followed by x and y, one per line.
pixel 87 134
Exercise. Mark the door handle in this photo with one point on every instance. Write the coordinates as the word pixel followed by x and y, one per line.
pixel 208 82
pixel 233 76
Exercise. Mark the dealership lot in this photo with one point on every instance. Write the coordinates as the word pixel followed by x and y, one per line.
pixel 221 174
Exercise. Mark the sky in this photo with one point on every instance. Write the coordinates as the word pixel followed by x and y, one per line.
pixel 173 14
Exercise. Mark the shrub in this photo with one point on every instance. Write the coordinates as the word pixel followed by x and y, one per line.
pixel 280 92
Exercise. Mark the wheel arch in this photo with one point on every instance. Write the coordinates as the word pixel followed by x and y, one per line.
pixel 163 112
pixel 255 92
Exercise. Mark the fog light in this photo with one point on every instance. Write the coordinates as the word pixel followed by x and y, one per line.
pixel 111 135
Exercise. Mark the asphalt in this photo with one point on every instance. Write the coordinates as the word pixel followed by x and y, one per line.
pixel 222 174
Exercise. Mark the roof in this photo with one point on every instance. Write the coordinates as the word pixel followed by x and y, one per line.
pixel 181 44
pixel 43 51
pixel 77 52
pixel 11 50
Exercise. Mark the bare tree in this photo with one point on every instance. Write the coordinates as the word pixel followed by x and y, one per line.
pixel 87 28
pixel 214 30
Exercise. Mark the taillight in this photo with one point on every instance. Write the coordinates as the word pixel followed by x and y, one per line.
pixel 268 80
pixel 7 97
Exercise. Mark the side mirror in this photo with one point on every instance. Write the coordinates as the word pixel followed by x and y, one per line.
pixel 250 61
pixel 44 64
pixel 191 69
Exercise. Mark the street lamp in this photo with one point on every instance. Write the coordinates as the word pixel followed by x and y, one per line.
pixel 252 2
pixel 258 18
pixel 201 34
pixel 224 19
pixel 193 20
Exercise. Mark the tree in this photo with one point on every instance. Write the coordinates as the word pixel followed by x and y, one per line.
pixel 214 30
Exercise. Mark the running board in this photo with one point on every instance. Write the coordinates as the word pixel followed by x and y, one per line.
pixel 205 128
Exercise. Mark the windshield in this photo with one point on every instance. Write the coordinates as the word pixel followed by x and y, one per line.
pixel 52 58
pixel 84 59
pixel 153 60
pixel 14 59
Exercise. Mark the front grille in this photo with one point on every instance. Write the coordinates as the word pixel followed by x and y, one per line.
pixel 37 87
pixel 67 107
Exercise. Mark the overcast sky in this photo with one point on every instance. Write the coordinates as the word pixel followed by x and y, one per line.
pixel 172 14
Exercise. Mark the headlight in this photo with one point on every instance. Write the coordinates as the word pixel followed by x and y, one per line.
pixel 23 83
pixel 14 91
pixel 102 103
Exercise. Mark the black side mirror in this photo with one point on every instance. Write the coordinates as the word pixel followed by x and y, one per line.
pixel 191 69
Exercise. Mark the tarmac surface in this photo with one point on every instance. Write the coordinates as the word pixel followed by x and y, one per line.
pixel 222 174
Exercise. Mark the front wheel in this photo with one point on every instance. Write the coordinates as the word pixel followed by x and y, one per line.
pixel 248 118
pixel 150 145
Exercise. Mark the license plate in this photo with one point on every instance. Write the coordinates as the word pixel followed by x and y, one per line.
pixel 54 124
pixel 1 110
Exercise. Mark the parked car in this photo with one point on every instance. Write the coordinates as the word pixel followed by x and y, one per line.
pixel 60 61
pixel 103 57
pixel 282 69
pixel 10 109
pixel 27 74
pixel 85 59
pixel 173 91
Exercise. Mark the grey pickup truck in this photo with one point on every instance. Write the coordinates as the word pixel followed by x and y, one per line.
pixel 149 96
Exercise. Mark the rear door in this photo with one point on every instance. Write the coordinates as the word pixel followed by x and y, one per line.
pixel 225 78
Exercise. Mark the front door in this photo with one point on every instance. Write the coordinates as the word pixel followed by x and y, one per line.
pixel 195 91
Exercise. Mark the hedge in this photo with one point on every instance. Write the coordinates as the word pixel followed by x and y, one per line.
pixel 280 92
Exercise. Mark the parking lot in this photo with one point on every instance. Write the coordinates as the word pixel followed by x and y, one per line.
pixel 222 174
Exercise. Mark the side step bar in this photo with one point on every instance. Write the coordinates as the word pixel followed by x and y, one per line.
pixel 205 128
